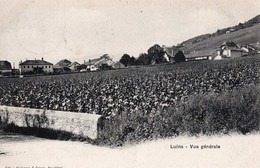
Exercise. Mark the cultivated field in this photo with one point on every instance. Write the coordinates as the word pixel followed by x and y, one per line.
pixel 151 102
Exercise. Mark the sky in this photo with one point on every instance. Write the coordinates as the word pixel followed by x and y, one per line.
pixel 80 30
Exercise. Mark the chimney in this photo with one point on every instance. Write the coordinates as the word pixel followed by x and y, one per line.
pixel 218 52
pixel 42 58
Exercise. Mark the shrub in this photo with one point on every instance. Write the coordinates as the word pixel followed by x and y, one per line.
pixel 221 113
pixel 236 111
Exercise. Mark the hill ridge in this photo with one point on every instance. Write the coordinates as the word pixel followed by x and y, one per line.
pixel 250 23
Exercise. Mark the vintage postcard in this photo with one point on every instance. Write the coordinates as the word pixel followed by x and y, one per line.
pixel 129 83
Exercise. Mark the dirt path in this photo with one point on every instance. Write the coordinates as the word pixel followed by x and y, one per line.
pixel 27 151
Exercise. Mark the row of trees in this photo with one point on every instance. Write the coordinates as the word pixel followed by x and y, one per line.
pixel 155 55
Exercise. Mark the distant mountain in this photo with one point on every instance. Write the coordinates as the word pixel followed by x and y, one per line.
pixel 250 23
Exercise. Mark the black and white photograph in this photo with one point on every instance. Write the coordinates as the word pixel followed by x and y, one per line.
pixel 129 83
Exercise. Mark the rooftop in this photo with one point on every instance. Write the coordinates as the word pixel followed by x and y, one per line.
pixel 5 65
pixel 201 53
pixel 93 61
pixel 171 51
pixel 229 44
pixel 35 62
pixel 63 63
pixel 235 49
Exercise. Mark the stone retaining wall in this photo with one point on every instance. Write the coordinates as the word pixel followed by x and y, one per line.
pixel 83 124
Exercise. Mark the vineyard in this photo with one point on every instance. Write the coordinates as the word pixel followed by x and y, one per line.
pixel 149 102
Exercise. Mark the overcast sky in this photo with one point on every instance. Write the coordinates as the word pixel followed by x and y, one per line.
pixel 84 29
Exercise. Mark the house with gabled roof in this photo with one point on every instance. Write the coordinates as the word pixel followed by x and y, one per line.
pixel 36 67
pixel 74 66
pixel 171 54
pixel 250 49
pixel 105 61
pixel 230 49
pixel 62 66
pixel 5 68
pixel 65 66
pixel 201 55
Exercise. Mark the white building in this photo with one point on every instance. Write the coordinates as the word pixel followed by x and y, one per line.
pixel 36 67
pixel 218 57
pixel 98 63
pixel 74 66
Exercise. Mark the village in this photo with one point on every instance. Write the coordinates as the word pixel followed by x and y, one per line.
pixel 41 66
pixel 227 50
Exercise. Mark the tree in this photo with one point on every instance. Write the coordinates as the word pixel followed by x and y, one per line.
pixel 125 59
pixel 240 26
pixel 156 54
pixel 133 61
pixel 179 57
pixel 143 59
